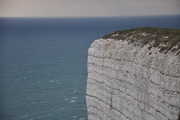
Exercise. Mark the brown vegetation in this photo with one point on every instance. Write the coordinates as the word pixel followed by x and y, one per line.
pixel 166 39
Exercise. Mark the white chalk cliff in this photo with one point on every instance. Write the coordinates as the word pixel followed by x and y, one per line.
pixel 133 81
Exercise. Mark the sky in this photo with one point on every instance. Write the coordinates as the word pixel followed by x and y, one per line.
pixel 87 8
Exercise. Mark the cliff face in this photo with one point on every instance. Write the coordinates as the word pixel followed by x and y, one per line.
pixel 130 81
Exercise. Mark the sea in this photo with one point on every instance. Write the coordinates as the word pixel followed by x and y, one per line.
pixel 43 63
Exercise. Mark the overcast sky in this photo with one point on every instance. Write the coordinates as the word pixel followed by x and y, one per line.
pixel 87 8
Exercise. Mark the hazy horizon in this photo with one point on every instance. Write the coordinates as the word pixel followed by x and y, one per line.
pixel 59 17
pixel 88 8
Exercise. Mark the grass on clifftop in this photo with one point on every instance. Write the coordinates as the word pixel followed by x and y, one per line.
pixel 167 39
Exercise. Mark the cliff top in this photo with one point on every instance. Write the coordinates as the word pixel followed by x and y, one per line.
pixel 167 39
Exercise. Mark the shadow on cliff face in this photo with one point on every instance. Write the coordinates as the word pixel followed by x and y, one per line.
pixel 179 116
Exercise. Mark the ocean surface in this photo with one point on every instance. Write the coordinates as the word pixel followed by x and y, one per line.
pixel 43 63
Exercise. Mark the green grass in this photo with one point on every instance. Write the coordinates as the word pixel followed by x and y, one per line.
pixel 161 31
pixel 164 38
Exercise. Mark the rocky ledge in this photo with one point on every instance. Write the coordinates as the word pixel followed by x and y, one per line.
pixel 134 75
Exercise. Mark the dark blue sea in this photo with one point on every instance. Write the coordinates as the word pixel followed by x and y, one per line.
pixel 43 63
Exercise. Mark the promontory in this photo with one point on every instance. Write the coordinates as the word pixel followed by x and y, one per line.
pixel 135 75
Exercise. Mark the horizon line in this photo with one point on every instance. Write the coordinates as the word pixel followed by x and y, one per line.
pixel 49 17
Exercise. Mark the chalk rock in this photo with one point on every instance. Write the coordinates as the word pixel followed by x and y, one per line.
pixel 131 82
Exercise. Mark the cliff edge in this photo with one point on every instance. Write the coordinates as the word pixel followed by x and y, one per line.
pixel 134 75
